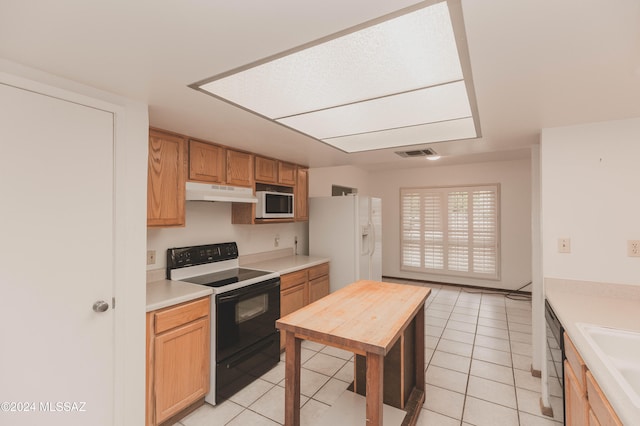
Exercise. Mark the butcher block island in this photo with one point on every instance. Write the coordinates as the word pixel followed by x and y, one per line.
pixel 383 324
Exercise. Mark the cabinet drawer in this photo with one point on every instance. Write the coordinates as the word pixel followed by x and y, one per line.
pixel 318 271
pixel 292 279
pixel 576 363
pixel 175 316
pixel 601 408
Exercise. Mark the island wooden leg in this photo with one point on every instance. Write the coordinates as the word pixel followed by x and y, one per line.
pixel 419 348
pixel 375 375
pixel 292 380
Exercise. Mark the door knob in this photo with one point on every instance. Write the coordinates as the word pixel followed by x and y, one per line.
pixel 100 306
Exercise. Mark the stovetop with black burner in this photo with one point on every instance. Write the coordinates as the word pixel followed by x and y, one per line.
pixel 213 265
pixel 226 277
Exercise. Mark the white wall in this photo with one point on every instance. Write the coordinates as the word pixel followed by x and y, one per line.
pixel 208 223
pixel 131 133
pixel 514 178
pixel 591 194
pixel 321 180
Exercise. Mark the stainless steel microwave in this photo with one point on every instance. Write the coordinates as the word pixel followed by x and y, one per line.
pixel 274 205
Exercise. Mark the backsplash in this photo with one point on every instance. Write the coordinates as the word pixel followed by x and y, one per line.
pixel 208 223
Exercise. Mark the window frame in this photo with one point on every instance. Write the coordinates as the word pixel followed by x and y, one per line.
pixel 443 192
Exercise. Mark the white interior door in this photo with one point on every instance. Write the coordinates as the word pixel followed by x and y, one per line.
pixel 56 260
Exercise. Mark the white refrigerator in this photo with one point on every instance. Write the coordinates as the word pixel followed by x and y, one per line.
pixel 348 231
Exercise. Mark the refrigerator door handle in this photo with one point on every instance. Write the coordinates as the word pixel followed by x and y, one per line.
pixel 372 239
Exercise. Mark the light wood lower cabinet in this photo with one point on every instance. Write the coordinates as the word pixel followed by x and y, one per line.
pixel 585 404
pixel 178 358
pixel 298 289
pixel 575 397
pixel 600 409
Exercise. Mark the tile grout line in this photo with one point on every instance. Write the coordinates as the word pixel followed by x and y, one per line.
pixel 513 372
pixel 473 348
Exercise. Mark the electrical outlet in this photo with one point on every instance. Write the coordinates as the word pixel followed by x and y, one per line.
pixel 564 245
pixel 276 241
pixel 633 248
pixel 151 257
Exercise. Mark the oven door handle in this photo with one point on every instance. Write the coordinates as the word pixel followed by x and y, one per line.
pixel 248 291
pixel 239 359
pixel 228 297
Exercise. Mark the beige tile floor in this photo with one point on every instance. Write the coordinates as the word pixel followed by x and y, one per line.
pixel 477 356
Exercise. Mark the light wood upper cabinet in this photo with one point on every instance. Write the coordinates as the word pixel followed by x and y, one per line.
pixel 286 173
pixel 266 170
pixel 166 177
pixel 239 168
pixel 207 162
pixel 178 358
pixel 174 159
pixel 302 194
pixel 269 170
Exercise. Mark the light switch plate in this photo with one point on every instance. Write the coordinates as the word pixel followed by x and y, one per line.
pixel 564 245
pixel 633 248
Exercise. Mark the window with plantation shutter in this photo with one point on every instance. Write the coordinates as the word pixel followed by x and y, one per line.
pixel 450 230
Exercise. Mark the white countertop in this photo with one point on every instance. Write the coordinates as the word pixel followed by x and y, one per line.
pixel 287 264
pixel 609 305
pixel 163 293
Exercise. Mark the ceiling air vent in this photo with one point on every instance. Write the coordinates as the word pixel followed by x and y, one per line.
pixel 416 153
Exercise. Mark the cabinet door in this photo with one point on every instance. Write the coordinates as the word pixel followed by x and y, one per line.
pixel 206 162
pixel 318 288
pixel 239 168
pixel 165 180
pixel 286 173
pixel 302 194
pixel 266 170
pixel 576 409
pixel 181 369
pixel 601 410
pixel 291 300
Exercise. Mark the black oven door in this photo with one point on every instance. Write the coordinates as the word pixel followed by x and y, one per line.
pixel 246 316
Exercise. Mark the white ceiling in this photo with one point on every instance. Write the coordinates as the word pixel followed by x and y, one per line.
pixel 535 63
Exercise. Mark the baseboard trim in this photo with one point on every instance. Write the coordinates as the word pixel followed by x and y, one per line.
pixel 474 287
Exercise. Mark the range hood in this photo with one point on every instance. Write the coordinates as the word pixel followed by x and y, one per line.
pixel 207 192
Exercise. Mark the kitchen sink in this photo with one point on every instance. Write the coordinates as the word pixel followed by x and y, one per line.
pixel 619 351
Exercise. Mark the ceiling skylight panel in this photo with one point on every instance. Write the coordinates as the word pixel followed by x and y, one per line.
pixel 408 52
pixel 395 81
pixel 437 103
pixel 428 133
